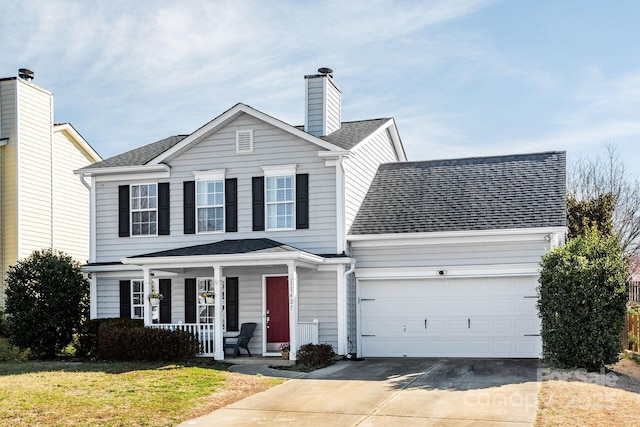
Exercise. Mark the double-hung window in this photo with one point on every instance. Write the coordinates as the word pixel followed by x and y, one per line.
pixel 210 201
pixel 280 197
pixel 210 206
pixel 144 210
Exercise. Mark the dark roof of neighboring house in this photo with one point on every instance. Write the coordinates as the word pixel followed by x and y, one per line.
pixel 517 191
pixel 350 134
pixel 226 247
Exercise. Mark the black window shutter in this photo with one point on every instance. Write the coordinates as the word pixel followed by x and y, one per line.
pixel 231 204
pixel 163 209
pixel 164 287
pixel 258 203
pixel 125 298
pixel 123 211
pixel 232 304
pixel 189 219
pixel 190 300
pixel 302 201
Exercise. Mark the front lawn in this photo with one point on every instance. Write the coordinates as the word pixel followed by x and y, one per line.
pixel 570 398
pixel 117 394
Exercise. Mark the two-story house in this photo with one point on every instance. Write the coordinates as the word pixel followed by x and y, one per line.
pixel 42 202
pixel 322 233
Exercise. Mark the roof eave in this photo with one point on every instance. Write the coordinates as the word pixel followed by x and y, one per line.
pixel 186 261
pixel 117 170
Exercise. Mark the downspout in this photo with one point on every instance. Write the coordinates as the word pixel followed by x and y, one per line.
pixel 343 296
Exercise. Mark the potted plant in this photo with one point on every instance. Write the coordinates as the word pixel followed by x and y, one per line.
pixel 154 298
pixel 208 298
pixel 285 348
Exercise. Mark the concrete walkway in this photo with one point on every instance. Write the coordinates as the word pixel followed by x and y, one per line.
pixel 394 392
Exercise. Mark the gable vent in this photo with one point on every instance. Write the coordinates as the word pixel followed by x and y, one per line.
pixel 244 141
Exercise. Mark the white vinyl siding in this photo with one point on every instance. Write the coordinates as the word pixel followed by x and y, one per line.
pixel 323 115
pixel 210 206
pixel 443 255
pixel 361 168
pixel 272 147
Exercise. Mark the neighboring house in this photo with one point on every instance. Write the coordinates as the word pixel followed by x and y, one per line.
pixel 324 233
pixel 42 202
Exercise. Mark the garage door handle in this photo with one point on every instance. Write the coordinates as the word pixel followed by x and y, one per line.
pixel 364 335
pixel 469 323
pixel 425 323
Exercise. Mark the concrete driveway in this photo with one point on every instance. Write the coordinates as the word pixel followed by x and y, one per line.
pixel 395 392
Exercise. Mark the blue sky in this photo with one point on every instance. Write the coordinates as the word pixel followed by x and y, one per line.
pixel 461 77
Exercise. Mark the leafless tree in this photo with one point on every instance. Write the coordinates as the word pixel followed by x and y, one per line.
pixel 592 177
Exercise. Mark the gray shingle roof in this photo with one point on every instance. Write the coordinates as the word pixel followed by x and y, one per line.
pixel 350 134
pixel 139 156
pixel 518 191
pixel 226 247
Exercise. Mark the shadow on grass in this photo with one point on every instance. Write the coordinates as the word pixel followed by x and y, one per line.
pixel 109 367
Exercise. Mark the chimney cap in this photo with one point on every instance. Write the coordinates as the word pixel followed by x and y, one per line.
pixel 325 70
pixel 25 74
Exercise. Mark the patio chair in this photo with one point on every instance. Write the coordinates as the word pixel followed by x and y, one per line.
pixel 242 340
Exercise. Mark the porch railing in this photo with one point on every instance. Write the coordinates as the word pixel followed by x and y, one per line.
pixel 308 332
pixel 203 331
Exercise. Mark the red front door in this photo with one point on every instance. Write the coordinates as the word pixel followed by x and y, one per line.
pixel 277 309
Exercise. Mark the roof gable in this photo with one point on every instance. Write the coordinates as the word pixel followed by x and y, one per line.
pixel 505 192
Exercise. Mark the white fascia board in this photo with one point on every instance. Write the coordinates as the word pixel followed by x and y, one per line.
pixel 237 109
pixel 454 237
pixel 460 271
pixel 108 268
pixel 129 173
pixel 226 260
pixel 333 155
pixel 75 135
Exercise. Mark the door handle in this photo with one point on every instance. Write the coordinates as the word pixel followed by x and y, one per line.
pixel 425 323
pixel 469 323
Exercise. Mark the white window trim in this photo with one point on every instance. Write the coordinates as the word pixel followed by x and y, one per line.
pixel 211 175
pixel 238 136
pixel 131 210
pixel 141 305
pixel 279 170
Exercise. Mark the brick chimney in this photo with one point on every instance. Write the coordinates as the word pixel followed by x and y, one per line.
pixel 322 114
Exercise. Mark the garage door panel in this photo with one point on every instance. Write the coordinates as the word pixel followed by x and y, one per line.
pixel 499 313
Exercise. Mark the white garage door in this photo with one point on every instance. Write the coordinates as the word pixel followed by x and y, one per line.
pixel 478 317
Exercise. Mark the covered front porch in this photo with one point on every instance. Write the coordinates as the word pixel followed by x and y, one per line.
pixel 211 290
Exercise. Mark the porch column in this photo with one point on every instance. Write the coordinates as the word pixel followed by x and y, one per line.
pixel 293 310
pixel 93 297
pixel 146 276
pixel 218 353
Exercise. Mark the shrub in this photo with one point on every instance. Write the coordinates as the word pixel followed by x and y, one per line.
pixel 87 338
pixel 582 301
pixel 123 339
pixel 315 356
pixel 3 325
pixel 9 353
pixel 47 299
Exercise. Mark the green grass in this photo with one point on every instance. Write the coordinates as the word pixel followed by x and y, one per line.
pixel 114 394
